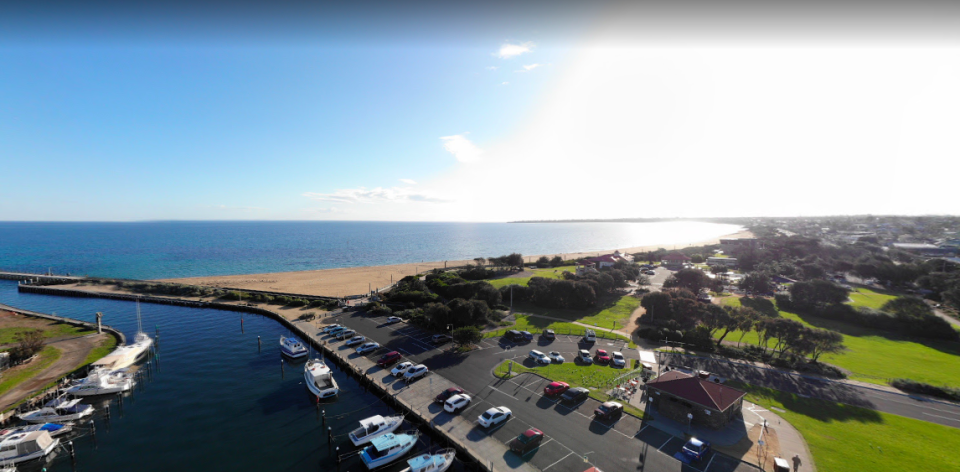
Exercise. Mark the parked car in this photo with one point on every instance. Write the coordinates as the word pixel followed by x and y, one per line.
pixel 539 357
pixel 368 347
pixel 415 372
pixel 527 441
pixel 556 357
pixel 695 449
pixel 585 357
pixel 608 410
pixel 401 369
pixel 555 388
pixel 389 358
pixel 574 395
pixel 649 272
pixel 393 319
pixel 526 336
pixel 336 330
pixel 439 339
pixel 602 357
pixel 346 334
pixel 513 335
pixel 330 328
pixel 355 340
pixel 549 334
pixel 618 360
pixel 590 336
pixel 495 415
pixel 446 394
pixel 456 402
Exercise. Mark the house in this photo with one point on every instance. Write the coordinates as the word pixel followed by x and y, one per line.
pixel 676 394
pixel 733 246
pixel 585 267
pixel 604 261
pixel 724 261
pixel 675 260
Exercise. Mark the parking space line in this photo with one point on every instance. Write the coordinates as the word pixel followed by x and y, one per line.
pixel 711 462
pixel 665 443
pixel 557 462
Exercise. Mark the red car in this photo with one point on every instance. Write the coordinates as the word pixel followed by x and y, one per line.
pixel 389 359
pixel 527 441
pixel 446 394
pixel 556 388
pixel 602 357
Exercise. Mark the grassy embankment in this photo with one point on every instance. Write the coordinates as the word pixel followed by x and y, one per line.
pixel 874 355
pixel 591 376
pixel 107 345
pixel 15 375
pixel 57 330
pixel 844 438
pixel 551 273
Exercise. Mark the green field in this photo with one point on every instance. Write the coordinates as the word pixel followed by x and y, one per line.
pixel 875 356
pixel 14 376
pixel 8 335
pixel 551 273
pixel 100 351
pixel 869 298
pixel 612 314
pixel 847 438
pixel 536 325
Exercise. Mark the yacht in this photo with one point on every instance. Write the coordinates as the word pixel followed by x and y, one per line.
pixel 57 411
pixel 102 382
pixel 438 462
pixel 319 379
pixel 388 448
pixel 374 427
pixel 26 446
pixel 292 348
pixel 126 356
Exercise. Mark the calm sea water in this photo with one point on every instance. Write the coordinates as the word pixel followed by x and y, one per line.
pixel 216 404
pixel 183 249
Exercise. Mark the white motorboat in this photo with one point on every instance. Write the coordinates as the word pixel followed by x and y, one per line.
pixel 388 448
pixel 21 447
pixel 53 428
pixel 102 382
pixel 58 411
pixel 126 356
pixel 292 347
pixel 438 462
pixel 374 427
pixel 319 379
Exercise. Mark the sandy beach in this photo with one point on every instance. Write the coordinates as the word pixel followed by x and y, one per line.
pixel 358 280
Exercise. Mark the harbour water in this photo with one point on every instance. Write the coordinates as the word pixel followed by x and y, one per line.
pixel 151 250
pixel 216 402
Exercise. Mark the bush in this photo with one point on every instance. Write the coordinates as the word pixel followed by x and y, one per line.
pixel 907 385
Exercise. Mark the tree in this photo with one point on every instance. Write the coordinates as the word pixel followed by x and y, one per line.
pixel 438 314
pixel 468 312
pixel 467 335
pixel 691 279
pixel 697 258
pixel 556 261
pixel 747 319
pixel 786 331
pixel 817 294
pixel 658 306
pixel 822 341
pixel 515 259
pixel 757 282
pixel 716 318
pixel 28 343
pixel 907 308
pixel 480 261
pixel 543 262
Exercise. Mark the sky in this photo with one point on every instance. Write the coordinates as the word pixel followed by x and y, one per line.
pixel 496 111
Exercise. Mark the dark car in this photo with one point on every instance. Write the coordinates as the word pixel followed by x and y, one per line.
pixel 439 339
pixel 527 441
pixel 526 335
pixel 389 358
pixel 574 395
pixel 695 449
pixel 549 334
pixel 555 388
pixel 513 335
pixel 446 394
pixel 608 410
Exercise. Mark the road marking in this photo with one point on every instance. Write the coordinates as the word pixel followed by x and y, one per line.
pixel 943 417
pixel 557 462
pixel 665 443
pixel 711 462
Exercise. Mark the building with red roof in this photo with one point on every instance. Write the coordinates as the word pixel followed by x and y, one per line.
pixel 676 395
pixel 674 260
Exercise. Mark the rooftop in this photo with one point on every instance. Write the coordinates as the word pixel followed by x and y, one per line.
pixel 697 390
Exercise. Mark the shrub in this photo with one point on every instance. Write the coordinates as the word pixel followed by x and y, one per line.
pixel 907 385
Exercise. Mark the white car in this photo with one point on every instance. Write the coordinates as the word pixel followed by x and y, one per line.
pixel 415 372
pixel 585 357
pixel 590 336
pixel 556 357
pixel 356 340
pixel 368 347
pixel 618 360
pixel 456 403
pixel 347 333
pixel 494 416
pixel 393 319
pixel 330 328
pixel 401 369
pixel 539 357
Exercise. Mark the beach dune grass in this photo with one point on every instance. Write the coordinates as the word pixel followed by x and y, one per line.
pixel 844 438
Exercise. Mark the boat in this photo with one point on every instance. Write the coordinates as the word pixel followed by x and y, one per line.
pixel 102 382
pixel 54 429
pixel 388 448
pixel 438 462
pixel 22 447
pixel 58 410
pixel 292 347
pixel 374 427
pixel 319 379
pixel 126 356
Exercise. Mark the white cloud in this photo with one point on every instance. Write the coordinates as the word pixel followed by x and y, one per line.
pixel 505 83
pixel 492 68
pixel 531 67
pixel 375 195
pixel 409 181
pixel 508 50
pixel 461 148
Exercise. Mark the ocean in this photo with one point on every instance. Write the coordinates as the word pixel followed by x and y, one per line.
pixel 152 250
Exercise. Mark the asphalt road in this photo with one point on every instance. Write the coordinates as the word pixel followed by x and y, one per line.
pixel 573 439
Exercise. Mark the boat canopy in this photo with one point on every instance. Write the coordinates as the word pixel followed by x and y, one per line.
pixel 424 461
pixel 31 442
pixel 372 421
pixel 385 442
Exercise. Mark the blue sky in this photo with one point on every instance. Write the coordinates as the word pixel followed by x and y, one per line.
pixel 379 111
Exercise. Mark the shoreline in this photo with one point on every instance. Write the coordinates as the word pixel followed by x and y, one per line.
pixel 341 282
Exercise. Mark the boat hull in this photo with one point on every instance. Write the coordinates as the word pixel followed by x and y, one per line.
pixel 33 455
pixel 359 441
pixel 376 462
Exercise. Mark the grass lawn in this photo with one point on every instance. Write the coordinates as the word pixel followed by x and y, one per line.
pixel 875 356
pixel 14 376
pixel 100 351
pixel 8 335
pixel 551 273
pixel 536 325
pixel 614 310
pixel 869 298
pixel 844 438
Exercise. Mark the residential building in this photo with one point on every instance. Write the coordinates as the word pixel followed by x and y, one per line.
pixel 676 395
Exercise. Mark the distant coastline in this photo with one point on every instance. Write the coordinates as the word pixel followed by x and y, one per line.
pixel 730 220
